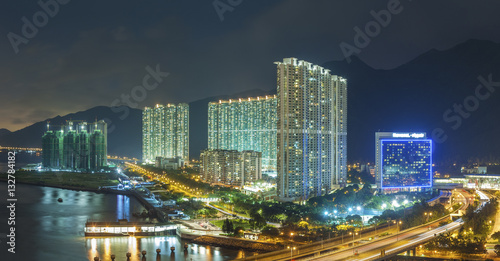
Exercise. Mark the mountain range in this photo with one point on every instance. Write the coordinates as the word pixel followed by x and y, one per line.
pixel 419 96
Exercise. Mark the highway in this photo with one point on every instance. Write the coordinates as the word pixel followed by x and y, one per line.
pixel 408 239
pixel 391 245
pixel 175 186
pixel 366 250
pixel 358 249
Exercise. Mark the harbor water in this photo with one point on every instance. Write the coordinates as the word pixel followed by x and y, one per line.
pixel 46 229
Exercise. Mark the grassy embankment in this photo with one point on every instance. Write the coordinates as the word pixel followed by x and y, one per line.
pixel 236 223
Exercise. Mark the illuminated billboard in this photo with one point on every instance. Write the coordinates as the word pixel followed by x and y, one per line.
pixel 406 163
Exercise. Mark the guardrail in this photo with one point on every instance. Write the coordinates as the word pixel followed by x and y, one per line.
pixel 411 246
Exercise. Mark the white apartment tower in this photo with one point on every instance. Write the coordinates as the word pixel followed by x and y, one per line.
pixel 165 132
pixel 245 124
pixel 312 130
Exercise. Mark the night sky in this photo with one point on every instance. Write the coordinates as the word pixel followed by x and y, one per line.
pixel 91 52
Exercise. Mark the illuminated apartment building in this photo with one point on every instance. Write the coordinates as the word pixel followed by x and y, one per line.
pixel 231 167
pixel 165 132
pixel 245 124
pixel 312 130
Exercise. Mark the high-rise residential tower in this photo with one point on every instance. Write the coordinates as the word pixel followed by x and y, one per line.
pixel 78 146
pixel 245 124
pixel 312 130
pixel 165 132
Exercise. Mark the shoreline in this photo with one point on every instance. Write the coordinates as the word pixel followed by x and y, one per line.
pixel 229 243
pixel 54 186
pixel 237 244
pixel 98 191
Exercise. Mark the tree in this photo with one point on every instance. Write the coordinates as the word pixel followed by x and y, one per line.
pixel 304 225
pixel 281 217
pixel 224 226
pixel 256 220
pixel 227 226
pixel 354 220
pixel 230 228
pixel 375 220
pixel 238 231
pixel 270 231
pixel 496 235
pixel 497 250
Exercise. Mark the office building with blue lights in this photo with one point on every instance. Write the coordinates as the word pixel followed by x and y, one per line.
pixel 403 161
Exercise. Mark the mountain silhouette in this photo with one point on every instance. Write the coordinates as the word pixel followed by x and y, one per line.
pixel 410 98
pixel 414 97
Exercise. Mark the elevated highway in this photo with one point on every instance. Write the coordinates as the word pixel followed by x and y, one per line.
pixel 363 249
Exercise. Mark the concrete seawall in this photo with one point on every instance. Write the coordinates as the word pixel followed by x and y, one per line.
pixel 236 243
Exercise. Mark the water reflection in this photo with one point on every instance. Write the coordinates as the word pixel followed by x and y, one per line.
pixel 123 207
pixel 54 231
pixel 119 246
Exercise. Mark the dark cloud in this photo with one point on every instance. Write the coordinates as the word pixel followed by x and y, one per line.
pixel 92 52
pixel 17 121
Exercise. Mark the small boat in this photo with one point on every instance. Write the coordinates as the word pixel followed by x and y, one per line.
pixel 172 249
pixel 59 200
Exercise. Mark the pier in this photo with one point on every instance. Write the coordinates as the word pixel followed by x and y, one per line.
pixel 124 228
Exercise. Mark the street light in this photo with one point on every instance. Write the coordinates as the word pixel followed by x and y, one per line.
pixel 351 233
pixel 399 223
pixel 291 251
